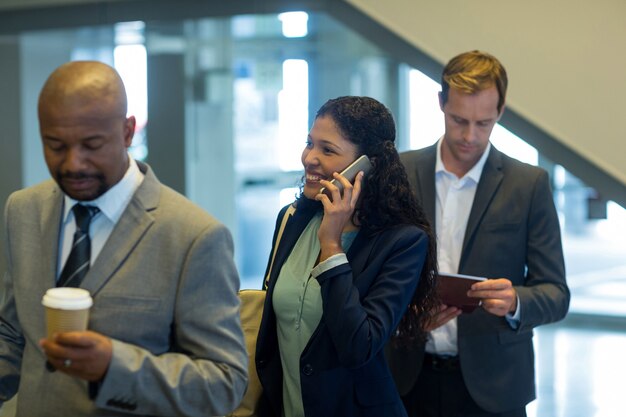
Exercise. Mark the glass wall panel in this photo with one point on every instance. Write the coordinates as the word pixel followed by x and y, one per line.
pixel 249 88
pixel 285 66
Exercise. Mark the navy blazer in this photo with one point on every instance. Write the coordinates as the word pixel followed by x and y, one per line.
pixel 342 369
pixel 512 232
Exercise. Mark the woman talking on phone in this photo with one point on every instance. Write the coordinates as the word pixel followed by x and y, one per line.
pixel 346 265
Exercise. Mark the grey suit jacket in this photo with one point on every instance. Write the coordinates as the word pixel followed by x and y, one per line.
pixel 512 232
pixel 165 291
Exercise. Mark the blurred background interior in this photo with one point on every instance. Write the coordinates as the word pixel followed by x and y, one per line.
pixel 224 95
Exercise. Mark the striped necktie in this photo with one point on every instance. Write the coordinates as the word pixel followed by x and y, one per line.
pixel 77 263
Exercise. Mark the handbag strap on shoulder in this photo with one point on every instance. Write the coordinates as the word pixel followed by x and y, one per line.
pixel 290 210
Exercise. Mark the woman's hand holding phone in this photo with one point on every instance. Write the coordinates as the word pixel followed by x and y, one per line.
pixel 337 212
pixel 362 163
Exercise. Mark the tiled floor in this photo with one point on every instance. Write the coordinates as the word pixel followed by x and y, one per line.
pixel 581 362
pixel 581 368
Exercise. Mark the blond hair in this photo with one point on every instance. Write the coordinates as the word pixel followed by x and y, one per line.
pixel 474 71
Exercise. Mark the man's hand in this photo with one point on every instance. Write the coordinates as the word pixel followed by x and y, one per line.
pixel 441 316
pixel 497 296
pixel 84 355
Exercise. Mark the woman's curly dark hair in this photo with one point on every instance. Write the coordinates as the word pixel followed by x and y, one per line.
pixel 386 197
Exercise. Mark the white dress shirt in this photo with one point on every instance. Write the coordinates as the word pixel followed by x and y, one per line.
pixel 455 197
pixel 111 204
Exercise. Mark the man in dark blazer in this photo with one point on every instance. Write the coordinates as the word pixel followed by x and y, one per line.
pixel 495 218
pixel 164 336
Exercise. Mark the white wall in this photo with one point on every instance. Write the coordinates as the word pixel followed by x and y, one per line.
pixel 566 60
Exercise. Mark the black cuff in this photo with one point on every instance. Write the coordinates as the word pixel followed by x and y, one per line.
pixel 94 388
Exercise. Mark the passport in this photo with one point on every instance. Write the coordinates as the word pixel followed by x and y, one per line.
pixel 452 290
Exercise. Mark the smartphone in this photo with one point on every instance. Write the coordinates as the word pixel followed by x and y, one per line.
pixel 362 163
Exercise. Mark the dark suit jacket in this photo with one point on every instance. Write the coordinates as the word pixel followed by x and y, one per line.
pixel 343 370
pixel 513 232
pixel 165 291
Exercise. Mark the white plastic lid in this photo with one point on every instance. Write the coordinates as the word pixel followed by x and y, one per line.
pixel 67 298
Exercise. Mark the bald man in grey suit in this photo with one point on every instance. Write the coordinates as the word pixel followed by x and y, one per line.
pixel 164 336
pixel 495 218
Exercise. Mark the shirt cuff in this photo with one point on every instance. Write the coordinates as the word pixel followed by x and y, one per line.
pixel 514 318
pixel 329 263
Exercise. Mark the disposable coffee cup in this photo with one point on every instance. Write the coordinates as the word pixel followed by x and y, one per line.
pixel 67 309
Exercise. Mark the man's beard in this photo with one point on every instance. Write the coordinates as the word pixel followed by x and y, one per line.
pixel 101 189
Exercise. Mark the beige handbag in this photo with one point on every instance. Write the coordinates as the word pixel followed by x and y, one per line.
pixel 251 311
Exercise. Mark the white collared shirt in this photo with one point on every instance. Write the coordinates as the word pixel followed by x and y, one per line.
pixel 455 197
pixel 111 204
